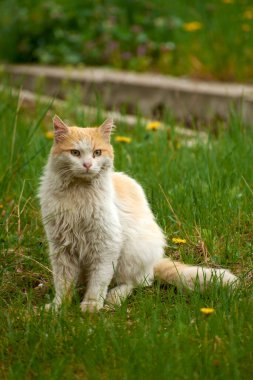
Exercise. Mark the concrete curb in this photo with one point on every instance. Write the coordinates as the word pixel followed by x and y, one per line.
pixel 150 94
pixel 28 99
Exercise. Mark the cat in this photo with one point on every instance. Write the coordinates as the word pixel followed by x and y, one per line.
pixel 99 225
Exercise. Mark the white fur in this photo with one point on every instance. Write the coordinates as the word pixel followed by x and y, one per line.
pixel 94 236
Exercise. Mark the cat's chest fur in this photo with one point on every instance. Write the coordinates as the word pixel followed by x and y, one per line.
pixel 80 219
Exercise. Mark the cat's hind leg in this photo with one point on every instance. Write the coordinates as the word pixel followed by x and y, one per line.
pixel 117 295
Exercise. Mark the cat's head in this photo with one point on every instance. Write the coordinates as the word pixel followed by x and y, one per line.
pixel 82 152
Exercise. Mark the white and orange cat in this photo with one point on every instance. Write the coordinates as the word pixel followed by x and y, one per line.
pixel 99 225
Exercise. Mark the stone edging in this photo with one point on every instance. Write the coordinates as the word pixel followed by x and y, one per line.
pixel 151 94
pixel 28 99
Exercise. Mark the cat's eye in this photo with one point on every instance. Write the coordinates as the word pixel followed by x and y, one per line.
pixel 75 152
pixel 97 152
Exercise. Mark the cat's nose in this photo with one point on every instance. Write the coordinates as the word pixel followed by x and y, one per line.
pixel 87 165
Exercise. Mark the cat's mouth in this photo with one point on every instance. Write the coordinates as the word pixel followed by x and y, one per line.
pixel 87 175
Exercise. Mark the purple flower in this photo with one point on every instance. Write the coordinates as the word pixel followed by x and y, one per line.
pixel 113 45
pixel 141 50
pixel 126 55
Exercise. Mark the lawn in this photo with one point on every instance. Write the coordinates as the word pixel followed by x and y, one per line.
pixel 207 39
pixel 202 193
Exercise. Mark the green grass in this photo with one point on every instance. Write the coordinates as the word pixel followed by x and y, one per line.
pixel 202 193
pixel 140 35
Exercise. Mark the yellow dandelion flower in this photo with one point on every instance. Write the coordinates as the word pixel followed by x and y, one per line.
pixel 192 26
pixel 207 310
pixel 153 125
pixel 178 241
pixel 246 28
pixel 248 14
pixel 1 206
pixel 49 135
pixel 228 1
pixel 123 139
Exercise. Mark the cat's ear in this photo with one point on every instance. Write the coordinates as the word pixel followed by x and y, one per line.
pixel 106 129
pixel 60 129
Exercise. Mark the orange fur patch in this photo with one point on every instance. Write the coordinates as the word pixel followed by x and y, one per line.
pixel 75 134
pixel 129 193
pixel 169 271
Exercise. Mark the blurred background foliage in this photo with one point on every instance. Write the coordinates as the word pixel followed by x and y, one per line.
pixel 208 39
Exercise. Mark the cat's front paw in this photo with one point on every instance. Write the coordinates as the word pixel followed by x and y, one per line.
pixel 91 306
pixel 49 306
pixel 52 306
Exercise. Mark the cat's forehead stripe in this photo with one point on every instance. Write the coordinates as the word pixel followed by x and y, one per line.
pixel 84 144
pixel 81 133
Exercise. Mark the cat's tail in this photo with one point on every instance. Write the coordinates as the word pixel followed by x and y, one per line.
pixel 189 276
